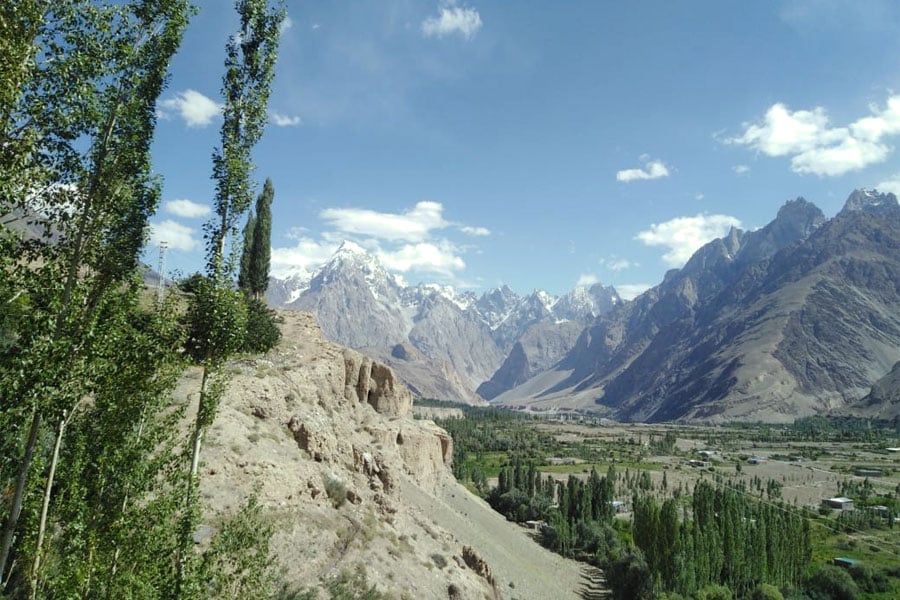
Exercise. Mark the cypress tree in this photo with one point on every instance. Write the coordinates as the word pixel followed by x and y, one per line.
pixel 261 256
pixel 247 254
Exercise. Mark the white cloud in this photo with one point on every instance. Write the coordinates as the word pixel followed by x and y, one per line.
pixel 307 254
pixel 587 279
pixel 684 235
pixel 476 231
pixel 440 258
pixel 414 225
pixel 653 169
pixel 741 169
pixel 196 109
pixel 286 24
pixel 615 263
pixel 817 148
pixel 176 235
pixel 186 208
pixel 281 120
pixel 403 242
pixel 630 291
pixel 453 20
pixel 891 185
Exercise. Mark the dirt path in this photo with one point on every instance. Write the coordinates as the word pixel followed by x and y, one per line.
pixel 524 570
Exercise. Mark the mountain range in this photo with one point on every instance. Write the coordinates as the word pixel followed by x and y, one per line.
pixel 799 317
pixel 443 343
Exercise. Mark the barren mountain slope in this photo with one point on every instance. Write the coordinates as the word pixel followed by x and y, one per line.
pixel 353 483
pixel 798 318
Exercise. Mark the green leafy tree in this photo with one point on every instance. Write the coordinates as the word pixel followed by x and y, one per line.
pixel 77 111
pixel 259 252
pixel 246 253
pixel 217 314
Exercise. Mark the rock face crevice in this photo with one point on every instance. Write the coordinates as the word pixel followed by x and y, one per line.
pixel 366 381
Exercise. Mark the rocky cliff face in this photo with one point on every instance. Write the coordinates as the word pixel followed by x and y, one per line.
pixel 326 438
pixel 883 401
pixel 353 484
pixel 799 317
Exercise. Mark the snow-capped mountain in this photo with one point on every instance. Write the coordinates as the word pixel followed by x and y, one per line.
pixel 442 341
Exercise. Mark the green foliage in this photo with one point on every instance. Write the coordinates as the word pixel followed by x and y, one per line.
pixel 257 248
pixel 246 254
pixel 217 321
pixel 630 578
pixel 237 564
pixel 714 592
pixel 217 314
pixel 869 579
pixel 832 583
pixel 249 70
pixel 77 113
pixel 262 332
pixel 766 591
pixel 335 490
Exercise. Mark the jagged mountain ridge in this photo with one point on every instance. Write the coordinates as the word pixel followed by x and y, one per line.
pixel 795 318
pixel 443 343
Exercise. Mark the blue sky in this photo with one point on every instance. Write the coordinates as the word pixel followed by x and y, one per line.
pixel 540 144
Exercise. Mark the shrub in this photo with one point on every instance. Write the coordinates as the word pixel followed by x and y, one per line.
pixel 335 489
pixel 262 331
pixel 832 583
pixel 630 578
pixel 714 592
pixel 869 579
pixel 766 591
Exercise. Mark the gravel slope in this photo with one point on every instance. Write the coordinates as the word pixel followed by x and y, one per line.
pixel 524 570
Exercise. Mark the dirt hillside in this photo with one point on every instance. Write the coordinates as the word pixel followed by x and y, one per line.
pixel 355 485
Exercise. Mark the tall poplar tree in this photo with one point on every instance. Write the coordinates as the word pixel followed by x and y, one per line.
pixel 77 111
pixel 217 314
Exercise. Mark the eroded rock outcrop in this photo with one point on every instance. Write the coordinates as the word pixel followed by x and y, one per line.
pixel 375 384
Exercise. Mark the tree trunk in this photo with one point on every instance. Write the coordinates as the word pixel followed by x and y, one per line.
pixel 48 488
pixel 9 530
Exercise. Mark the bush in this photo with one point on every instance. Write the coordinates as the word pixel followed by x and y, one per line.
pixel 714 592
pixel 832 583
pixel 630 578
pixel 766 591
pixel 869 579
pixel 262 331
pixel 335 489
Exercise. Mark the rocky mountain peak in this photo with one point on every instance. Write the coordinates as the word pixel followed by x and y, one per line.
pixel 586 302
pixel 496 304
pixel 798 217
pixel 869 201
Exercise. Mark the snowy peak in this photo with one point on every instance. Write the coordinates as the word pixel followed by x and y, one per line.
pixel 584 303
pixel 350 255
pixel 869 201
pixel 415 296
pixel 351 263
pixel 496 305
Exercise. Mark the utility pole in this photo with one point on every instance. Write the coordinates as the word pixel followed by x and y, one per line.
pixel 161 288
